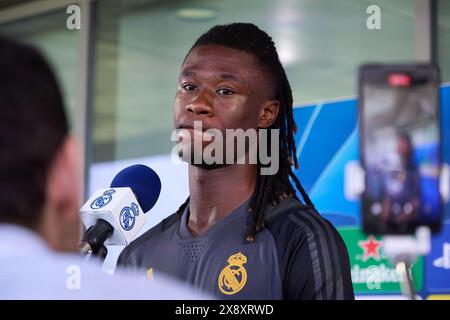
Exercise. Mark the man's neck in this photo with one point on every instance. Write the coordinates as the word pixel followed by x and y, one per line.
pixel 216 193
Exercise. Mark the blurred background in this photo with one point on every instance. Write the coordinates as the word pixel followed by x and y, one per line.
pixel 118 74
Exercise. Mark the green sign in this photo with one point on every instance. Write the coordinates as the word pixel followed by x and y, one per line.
pixel 371 271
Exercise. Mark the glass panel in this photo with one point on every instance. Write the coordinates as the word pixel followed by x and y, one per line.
pixel 60 46
pixel 4 4
pixel 141 45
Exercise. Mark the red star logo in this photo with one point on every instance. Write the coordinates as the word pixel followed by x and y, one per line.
pixel 371 248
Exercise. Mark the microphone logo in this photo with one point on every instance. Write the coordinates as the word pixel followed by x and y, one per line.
pixel 103 200
pixel 128 216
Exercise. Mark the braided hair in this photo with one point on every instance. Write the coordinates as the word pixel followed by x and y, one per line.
pixel 269 189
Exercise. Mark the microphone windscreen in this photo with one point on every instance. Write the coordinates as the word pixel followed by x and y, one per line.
pixel 143 181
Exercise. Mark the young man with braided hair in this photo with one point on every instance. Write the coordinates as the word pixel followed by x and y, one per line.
pixel 242 234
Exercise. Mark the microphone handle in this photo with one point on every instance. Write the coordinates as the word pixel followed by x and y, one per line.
pixel 94 238
pixel 85 248
pixel 101 252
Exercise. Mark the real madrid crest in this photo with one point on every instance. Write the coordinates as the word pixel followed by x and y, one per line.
pixel 103 200
pixel 128 216
pixel 234 276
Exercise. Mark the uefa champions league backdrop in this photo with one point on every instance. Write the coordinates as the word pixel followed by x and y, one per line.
pixel 327 143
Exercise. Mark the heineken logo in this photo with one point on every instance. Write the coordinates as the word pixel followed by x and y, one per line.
pixel 371 248
pixel 373 276
pixel 371 271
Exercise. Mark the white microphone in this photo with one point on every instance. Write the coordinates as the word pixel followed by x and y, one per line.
pixel 115 215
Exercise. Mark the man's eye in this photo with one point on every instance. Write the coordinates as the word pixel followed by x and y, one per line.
pixel 189 87
pixel 225 92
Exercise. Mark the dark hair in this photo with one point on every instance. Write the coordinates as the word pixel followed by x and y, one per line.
pixel 270 189
pixel 33 125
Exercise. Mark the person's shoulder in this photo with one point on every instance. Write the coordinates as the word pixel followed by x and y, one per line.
pixel 291 218
pixel 139 243
pixel 65 275
pixel 308 242
pixel 93 283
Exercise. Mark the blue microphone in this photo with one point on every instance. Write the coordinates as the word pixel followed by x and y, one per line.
pixel 143 181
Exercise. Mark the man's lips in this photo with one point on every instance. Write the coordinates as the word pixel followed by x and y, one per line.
pixel 189 126
pixel 201 134
pixel 185 126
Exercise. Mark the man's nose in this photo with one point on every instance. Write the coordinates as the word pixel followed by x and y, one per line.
pixel 200 105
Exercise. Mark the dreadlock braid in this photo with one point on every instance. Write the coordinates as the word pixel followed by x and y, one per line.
pixel 269 189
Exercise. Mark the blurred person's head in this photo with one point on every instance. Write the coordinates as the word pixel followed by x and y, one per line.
pixel 38 158
pixel 405 147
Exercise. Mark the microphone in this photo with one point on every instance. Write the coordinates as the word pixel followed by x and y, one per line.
pixel 115 215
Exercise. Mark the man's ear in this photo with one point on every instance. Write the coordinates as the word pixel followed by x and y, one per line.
pixel 268 113
pixel 60 225
pixel 63 176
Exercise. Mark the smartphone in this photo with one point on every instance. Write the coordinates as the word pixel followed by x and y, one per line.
pixel 400 147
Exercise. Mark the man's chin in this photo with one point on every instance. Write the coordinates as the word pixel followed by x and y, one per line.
pixel 200 163
pixel 206 166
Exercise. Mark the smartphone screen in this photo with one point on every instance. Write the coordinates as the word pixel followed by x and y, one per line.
pixel 400 147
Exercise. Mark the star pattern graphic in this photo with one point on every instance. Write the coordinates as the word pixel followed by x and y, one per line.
pixel 371 248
